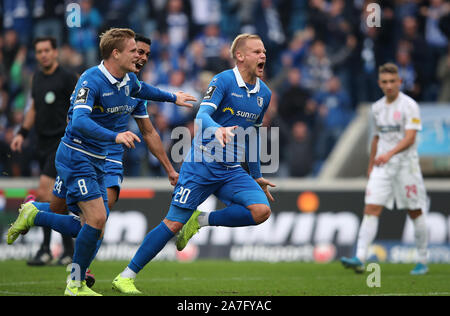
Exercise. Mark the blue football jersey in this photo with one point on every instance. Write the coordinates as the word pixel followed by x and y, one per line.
pixel 235 103
pixel 110 103
pixel 138 109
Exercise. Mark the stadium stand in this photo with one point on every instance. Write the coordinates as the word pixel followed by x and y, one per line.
pixel 336 63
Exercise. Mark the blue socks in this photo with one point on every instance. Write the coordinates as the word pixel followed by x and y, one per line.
pixel 67 225
pixel 99 243
pixel 234 215
pixel 42 206
pixel 86 247
pixel 151 246
pixel 87 243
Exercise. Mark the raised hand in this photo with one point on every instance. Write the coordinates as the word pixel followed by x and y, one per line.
pixel 127 138
pixel 184 98
pixel 224 134
pixel 173 178
pixel 264 184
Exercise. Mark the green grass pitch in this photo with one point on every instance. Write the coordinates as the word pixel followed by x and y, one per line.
pixel 226 278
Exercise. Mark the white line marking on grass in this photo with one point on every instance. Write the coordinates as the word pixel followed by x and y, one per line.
pixel 19 293
pixel 401 294
pixel 30 283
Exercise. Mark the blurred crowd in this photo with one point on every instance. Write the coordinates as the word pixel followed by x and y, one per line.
pixel 322 62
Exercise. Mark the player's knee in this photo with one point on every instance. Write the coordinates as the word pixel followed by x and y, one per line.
pixel 98 220
pixel 260 212
pixel 174 227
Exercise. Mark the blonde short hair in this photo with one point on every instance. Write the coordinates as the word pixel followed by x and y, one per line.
pixel 239 41
pixel 114 39
pixel 389 68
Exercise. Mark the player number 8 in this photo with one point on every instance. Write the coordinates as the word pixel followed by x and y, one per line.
pixel 183 195
pixel 82 186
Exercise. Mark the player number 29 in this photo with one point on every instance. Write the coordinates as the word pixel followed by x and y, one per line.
pixel 82 186
pixel 182 195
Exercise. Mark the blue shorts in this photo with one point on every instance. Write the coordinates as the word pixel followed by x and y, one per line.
pixel 197 181
pixel 59 189
pixel 113 179
pixel 81 174
pixel 113 175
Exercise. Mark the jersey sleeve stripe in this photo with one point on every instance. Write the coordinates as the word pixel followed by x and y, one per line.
pixel 210 104
pixel 140 116
pixel 83 107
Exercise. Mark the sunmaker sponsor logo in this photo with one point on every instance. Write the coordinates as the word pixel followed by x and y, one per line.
pixel 247 115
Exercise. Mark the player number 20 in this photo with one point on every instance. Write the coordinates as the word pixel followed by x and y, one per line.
pixel 182 195
pixel 82 186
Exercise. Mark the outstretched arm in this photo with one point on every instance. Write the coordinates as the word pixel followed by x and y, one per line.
pixel 148 92
pixel 154 144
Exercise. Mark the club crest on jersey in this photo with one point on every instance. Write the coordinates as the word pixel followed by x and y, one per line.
pixel 82 96
pixel 127 90
pixel 260 101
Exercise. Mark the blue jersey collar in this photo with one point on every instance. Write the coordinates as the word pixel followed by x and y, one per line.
pixel 242 84
pixel 111 78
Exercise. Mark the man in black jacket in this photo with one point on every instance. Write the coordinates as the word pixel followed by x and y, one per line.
pixel 51 89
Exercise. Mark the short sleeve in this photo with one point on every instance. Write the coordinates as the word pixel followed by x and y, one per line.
pixel 140 110
pixel 412 116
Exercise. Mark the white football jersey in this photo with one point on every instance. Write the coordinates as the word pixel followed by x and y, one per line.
pixel 391 120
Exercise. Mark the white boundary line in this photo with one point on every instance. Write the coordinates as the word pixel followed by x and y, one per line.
pixel 2 292
pixel 402 294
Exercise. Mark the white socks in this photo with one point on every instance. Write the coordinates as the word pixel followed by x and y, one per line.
pixel 421 238
pixel 128 274
pixel 369 229
pixel 367 233
pixel 203 219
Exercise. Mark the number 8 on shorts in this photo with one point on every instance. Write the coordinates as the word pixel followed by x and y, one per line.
pixel 82 186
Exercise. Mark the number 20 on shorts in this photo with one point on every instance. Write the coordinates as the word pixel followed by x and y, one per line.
pixel 182 195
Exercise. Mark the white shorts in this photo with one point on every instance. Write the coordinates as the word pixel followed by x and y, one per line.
pixel 401 183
